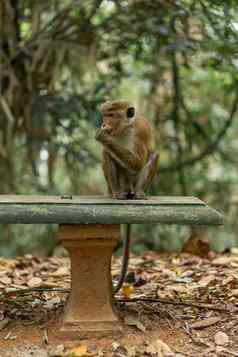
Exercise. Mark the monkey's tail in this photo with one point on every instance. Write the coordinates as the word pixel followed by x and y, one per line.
pixel 125 258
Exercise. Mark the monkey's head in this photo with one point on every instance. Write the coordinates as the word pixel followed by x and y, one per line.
pixel 117 116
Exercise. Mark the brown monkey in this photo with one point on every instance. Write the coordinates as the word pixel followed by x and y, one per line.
pixel 129 160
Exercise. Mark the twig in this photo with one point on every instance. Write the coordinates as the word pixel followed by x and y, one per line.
pixel 173 302
pixel 162 301
pixel 30 290
pixel 45 337
pixel 182 353
pixel 7 110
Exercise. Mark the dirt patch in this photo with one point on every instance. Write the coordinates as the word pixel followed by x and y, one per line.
pixel 172 305
pixel 30 341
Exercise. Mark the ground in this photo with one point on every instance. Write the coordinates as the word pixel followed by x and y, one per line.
pixel 173 305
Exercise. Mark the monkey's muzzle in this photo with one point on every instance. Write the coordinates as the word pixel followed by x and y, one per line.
pixel 107 128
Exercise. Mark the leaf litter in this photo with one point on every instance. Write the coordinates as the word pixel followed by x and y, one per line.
pixel 172 305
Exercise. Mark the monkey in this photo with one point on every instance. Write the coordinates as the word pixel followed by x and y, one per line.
pixel 129 161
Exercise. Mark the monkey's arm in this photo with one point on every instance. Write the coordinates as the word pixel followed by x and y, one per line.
pixel 124 157
pixel 110 172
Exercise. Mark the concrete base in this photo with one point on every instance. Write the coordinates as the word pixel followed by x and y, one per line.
pixel 91 305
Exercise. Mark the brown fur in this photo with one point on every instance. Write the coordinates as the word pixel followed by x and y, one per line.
pixel 128 145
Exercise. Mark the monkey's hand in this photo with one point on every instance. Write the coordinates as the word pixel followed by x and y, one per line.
pixel 102 135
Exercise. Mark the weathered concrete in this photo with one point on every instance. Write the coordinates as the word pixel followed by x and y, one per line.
pixel 102 210
pixel 90 306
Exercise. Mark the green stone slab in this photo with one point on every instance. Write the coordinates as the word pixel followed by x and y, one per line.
pixel 30 209
pixel 98 200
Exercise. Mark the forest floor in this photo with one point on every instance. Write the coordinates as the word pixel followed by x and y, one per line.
pixel 173 305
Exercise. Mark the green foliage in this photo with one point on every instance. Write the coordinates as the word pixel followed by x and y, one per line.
pixel 176 59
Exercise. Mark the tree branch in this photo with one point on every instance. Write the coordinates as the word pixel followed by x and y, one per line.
pixel 176 111
pixel 53 22
pixel 211 146
pixel 176 302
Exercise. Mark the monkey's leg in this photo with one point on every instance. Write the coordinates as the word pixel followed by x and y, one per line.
pixel 146 176
pixel 124 184
pixel 110 172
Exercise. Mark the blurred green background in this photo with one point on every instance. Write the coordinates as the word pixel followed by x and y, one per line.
pixel 177 60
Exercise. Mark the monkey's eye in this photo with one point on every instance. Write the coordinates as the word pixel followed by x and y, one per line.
pixel 130 112
pixel 110 115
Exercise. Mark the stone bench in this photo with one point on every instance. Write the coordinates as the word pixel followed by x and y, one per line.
pixel 89 228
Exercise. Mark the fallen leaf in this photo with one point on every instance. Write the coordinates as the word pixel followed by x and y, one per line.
pixel 115 345
pixel 206 280
pixel 225 260
pixel 5 280
pixel 133 321
pixel 50 284
pixel 165 294
pixel 62 271
pixel 57 351
pixel 45 337
pixel 233 292
pixel 228 280
pixel 220 349
pixel 160 348
pixel 197 247
pixel 7 337
pixel 127 291
pixel 221 338
pixel 205 323
pixel 234 251
pixel 119 350
pixel 168 273
pixel 34 282
pixel 183 280
pixel 178 288
pixel 4 323
pixel 79 351
pixel 3 272
pixel 131 351
pixel 49 304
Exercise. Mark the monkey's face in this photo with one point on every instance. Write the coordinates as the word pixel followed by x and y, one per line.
pixel 116 120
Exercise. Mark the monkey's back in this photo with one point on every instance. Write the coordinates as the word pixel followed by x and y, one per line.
pixel 144 133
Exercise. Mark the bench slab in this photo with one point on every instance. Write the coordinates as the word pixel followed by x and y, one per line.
pixel 29 209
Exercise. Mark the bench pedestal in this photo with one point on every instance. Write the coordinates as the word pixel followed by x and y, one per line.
pixel 90 306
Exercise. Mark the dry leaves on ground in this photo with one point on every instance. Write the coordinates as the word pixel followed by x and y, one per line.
pixel 187 297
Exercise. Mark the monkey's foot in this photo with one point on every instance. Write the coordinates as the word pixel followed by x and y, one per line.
pixel 140 195
pixel 120 195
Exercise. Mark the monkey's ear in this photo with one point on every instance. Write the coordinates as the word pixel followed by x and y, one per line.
pixel 130 112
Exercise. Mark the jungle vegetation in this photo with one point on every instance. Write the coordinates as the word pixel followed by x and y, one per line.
pixel 178 60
